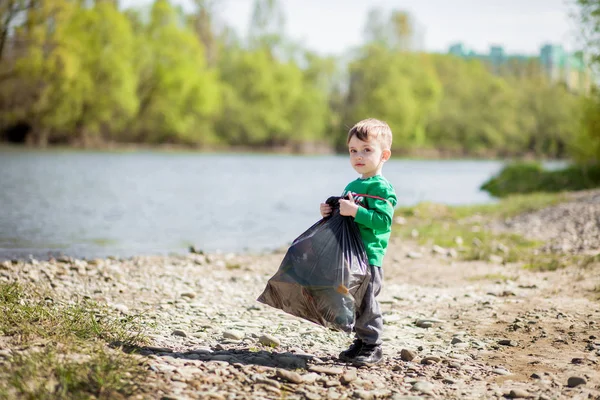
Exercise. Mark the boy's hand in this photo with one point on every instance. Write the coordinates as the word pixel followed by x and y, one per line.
pixel 325 210
pixel 348 208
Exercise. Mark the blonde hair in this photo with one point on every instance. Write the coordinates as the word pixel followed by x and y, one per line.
pixel 372 128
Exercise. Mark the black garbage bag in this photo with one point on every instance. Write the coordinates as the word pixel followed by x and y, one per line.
pixel 324 274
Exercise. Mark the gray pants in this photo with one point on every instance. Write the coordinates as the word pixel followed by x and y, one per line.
pixel 369 322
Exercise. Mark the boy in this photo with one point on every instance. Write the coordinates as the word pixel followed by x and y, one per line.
pixel 369 143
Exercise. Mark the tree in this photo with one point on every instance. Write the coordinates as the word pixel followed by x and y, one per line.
pixel 179 95
pixel 107 81
pixel 585 147
pixel 400 88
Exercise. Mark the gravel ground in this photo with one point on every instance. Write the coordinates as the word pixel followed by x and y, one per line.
pixel 453 330
pixel 571 227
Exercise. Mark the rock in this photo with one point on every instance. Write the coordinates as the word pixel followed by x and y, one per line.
pixel 326 370
pixel 438 250
pixel 233 335
pixel 158 349
pixel 430 360
pixel 121 308
pixel 519 394
pixel 310 378
pixel 496 259
pixel 179 332
pixel 536 375
pixel 414 255
pixel 363 394
pixel 401 397
pixel 575 381
pixel 188 295
pixel 500 371
pixel 427 322
pixel 456 341
pixel 348 377
pixel 508 342
pixel 268 340
pixel 407 355
pixel 400 220
pixel 423 387
pixel 289 376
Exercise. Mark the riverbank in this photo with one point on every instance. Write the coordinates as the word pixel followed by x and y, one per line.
pixel 308 149
pixel 456 327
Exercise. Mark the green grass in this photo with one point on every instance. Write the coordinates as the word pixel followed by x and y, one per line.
pixel 492 277
pixel 531 177
pixel 447 226
pixel 65 350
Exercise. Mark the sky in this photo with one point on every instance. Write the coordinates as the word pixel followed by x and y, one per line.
pixel 333 26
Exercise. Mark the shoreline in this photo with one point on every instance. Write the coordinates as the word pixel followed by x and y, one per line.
pixel 424 155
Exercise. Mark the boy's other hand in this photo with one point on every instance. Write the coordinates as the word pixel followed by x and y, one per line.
pixel 325 210
pixel 348 208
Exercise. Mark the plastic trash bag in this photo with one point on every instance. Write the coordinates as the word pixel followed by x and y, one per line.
pixel 324 274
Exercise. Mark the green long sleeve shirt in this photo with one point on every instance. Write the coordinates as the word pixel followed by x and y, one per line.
pixel 374 216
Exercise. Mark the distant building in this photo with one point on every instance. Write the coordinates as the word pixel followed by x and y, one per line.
pixel 572 69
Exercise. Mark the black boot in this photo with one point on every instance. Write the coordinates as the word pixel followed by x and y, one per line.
pixel 353 350
pixel 369 354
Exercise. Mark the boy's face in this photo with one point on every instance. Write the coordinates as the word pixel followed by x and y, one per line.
pixel 367 157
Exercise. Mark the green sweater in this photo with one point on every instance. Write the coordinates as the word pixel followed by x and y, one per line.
pixel 374 218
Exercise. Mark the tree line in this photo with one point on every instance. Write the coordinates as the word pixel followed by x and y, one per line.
pixel 86 73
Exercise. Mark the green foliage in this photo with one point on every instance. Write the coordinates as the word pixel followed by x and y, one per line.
pixel 400 88
pixel 477 112
pixel 86 73
pixel 531 177
pixel 106 80
pixel 178 94
pixel 268 102
pixel 585 146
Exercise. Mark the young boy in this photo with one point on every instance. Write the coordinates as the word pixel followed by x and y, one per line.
pixel 369 143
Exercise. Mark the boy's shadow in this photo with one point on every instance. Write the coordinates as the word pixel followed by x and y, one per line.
pixel 264 358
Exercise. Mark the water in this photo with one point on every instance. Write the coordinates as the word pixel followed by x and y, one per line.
pixel 98 204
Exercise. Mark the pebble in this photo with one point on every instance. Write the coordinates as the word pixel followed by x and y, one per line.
pixel 363 394
pixel 430 360
pixel 348 377
pixel 423 387
pixel 179 332
pixel 519 394
pixel 407 355
pixel 575 381
pixel 289 376
pixel 428 322
pixel 235 335
pixel 325 370
pixel 500 371
pixel 269 340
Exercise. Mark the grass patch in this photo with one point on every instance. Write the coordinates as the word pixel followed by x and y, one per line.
pixel 61 350
pixel 464 228
pixel 491 277
pixel 531 177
